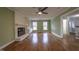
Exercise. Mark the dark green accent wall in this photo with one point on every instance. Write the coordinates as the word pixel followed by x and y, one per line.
pixel 40 26
pixel 6 26
pixel 56 22
pixel 49 25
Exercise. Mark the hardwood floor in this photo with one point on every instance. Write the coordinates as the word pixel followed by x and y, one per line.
pixel 44 42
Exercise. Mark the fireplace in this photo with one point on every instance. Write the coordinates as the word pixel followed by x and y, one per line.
pixel 21 31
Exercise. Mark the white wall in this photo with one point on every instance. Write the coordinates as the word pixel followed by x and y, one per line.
pixel 20 21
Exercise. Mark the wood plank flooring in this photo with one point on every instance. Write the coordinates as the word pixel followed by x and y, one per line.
pixel 44 42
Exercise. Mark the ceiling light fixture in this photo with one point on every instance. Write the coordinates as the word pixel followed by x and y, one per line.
pixel 39 12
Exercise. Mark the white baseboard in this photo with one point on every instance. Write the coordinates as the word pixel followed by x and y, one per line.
pixel 12 42
pixel 57 35
pixel 6 45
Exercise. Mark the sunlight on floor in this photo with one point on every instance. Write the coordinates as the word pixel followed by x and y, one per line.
pixel 45 37
pixel 35 38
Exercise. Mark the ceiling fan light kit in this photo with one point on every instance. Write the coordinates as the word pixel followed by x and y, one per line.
pixel 42 10
pixel 39 13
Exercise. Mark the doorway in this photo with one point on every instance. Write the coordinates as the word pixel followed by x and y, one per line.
pixel 70 23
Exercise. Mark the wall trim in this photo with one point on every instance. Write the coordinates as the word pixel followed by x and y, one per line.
pixel 6 44
pixel 57 35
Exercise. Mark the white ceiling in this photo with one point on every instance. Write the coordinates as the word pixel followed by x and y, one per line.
pixel 31 11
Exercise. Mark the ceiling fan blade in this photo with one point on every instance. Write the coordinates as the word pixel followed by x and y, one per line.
pixel 44 12
pixel 39 9
pixel 44 9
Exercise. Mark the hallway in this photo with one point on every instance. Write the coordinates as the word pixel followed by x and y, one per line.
pixel 43 42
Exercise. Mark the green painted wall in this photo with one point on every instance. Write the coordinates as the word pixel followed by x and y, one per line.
pixel 40 26
pixel 56 22
pixel 49 25
pixel 56 25
pixel 6 26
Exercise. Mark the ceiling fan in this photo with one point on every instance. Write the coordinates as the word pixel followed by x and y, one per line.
pixel 41 10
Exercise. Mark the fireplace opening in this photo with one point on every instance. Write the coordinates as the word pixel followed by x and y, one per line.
pixel 21 31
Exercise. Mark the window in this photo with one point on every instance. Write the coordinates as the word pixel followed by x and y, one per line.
pixel 34 25
pixel 45 25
